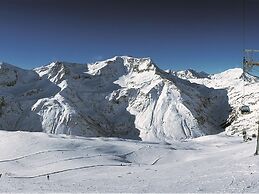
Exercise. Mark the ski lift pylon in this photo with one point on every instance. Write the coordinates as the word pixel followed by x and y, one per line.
pixel 249 62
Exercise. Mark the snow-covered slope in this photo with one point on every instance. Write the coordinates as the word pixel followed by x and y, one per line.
pixel 120 97
pixel 209 164
pixel 19 91
pixel 240 92
pixel 189 74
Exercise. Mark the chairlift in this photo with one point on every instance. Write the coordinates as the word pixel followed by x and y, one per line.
pixel 245 109
pixel 250 62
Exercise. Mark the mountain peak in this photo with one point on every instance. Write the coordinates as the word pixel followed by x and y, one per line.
pixel 122 65
pixel 189 74
pixel 8 66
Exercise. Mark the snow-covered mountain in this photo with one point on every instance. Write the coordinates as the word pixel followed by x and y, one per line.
pixel 240 92
pixel 123 97
pixel 19 91
pixel 189 74
pixel 130 98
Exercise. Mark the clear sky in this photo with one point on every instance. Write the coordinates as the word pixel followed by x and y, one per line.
pixel 204 35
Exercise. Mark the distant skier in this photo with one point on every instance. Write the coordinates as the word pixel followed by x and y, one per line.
pixel 0 175
pixel 244 135
pixel 48 177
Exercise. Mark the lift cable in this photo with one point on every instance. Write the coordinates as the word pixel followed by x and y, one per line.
pixel 243 45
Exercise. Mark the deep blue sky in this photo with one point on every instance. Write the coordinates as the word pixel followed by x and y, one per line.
pixel 177 34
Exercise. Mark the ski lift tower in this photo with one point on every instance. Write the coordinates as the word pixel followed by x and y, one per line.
pixel 250 63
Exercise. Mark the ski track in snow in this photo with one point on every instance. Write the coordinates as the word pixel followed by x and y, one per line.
pixel 33 154
pixel 66 170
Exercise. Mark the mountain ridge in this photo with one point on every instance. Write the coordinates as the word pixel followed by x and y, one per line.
pixel 120 97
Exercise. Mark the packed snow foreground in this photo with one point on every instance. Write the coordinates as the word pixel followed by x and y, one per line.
pixel 215 163
pixel 121 97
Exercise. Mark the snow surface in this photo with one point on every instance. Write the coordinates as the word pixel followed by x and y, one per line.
pixel 189 74
pixel 120 97
pixel 216 163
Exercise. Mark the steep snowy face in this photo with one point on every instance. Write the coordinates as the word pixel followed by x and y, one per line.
pixel 130 98
pixel 189 74
pixel 19 90
pixel 58 71
pixel 240 92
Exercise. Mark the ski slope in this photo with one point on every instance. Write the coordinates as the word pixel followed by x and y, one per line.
pixel 216 163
